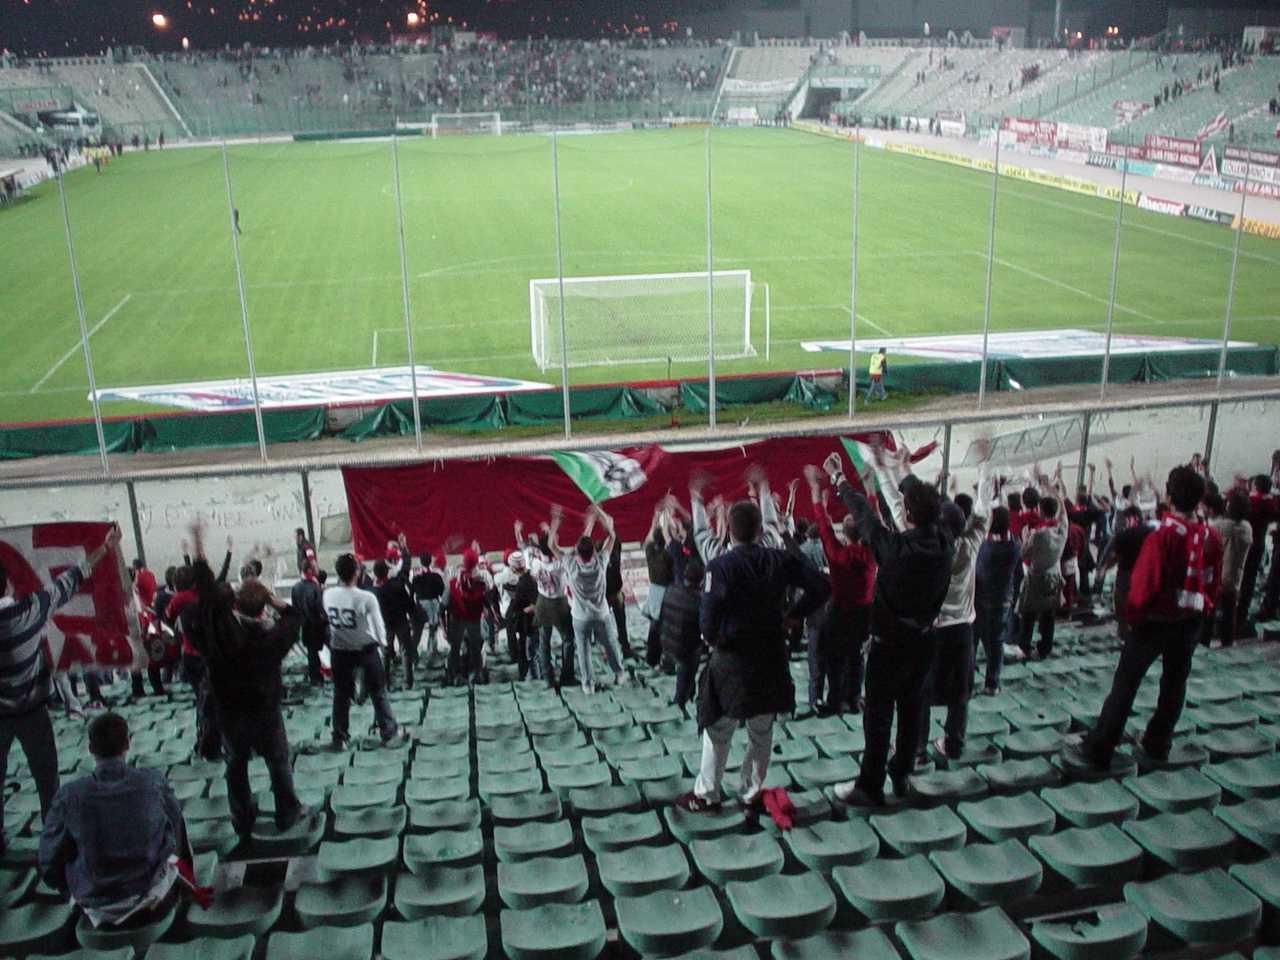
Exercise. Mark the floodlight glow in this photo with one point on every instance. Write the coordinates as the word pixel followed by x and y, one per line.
pixel 160 20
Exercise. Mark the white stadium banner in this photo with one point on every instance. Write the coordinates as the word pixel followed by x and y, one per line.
pixel 1016 345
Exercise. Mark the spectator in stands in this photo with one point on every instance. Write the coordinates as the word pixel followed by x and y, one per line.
pixel 681 630
pixel 307 598
pixel 145 588
pixel 912 580
pixel 852 568
pixel 1264 510
pixel 428 591
pixel 464 599
pixel 659 564
pixel 305 549
pixel 998 559
pixel 110 836
pixel 521 593
pixel 242 651
pixel 1230 520
pixel 586 571
pixel 395 602
pixel 1175 587
pixel 748 678
pixel 356 632
pixel 617 597
pixel 878 367
pixel 25 674
pixel 1042 547
pixel 552 611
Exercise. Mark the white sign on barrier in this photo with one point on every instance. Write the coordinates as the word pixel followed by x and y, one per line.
pixel 1017 345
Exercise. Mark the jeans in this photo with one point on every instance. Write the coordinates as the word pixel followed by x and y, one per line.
pixel 208 739
pixel 952 677
pixel 1175 643
pixel 989 630
pixel 603 630
pixel 552 613
pixel 346 664
pixel 465 633
pixel 1013 626
pixel 896 672
pixel 716 740
pixel 34 732
pixel 875 389
pixel 1046 621
pixel 243 736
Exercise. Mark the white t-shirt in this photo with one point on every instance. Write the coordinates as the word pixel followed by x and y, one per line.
pixel 549 575
pixel 355 621
pixel 587 587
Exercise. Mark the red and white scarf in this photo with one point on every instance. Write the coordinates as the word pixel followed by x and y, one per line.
pixel 1198 581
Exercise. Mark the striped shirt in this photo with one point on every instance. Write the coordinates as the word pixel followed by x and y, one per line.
pixel 25 680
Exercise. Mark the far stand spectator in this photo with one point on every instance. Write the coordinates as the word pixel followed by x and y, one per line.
pixel 306 552
pixel 27 676
pixel 877 368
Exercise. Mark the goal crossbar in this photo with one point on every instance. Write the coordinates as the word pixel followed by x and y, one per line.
pixel 484 122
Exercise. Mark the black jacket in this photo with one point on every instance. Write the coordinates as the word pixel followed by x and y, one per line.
pixel 997 560
pixel 913 571
pixel 394 599
pixel 678 623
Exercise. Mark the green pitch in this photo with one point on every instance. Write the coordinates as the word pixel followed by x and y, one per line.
pixel 323 284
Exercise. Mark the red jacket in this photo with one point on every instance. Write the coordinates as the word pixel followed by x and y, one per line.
pixel 1263 511
pixel 466 597
pixel 1178 575
pixel 853 569
pixel 181 600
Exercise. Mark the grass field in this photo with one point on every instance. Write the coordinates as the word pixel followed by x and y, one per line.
pixel 321 261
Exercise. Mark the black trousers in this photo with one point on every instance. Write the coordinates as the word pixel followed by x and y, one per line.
pixel 346 664
pixel 153 674
pixel 313 637
pixel 950 684
pixel 1044 646
pixel 896 672
pixel 1175 644
pixel 619 606
pixel 243 735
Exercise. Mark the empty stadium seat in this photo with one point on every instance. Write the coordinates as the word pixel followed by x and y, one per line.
pixel 737 857
pixel 948 786
pixel 669 922
pixel 440 891
pixel 442 848
pixel 1207 907
pixel 463 815
pixel 435 938
pixel 1092 804
pixel 511 811
pixel 986 935
pixel 1184 841
pixel 1090 856
pixel 920 831
pixel 1257 821
pixel 349 901
pixel 204 948
pixel 990 873
pixel 687 827
pixel 1174 791
pixel 883 889
pixel 1015 776
pixel 604 800
pixel 332 943
pixel 242 910
pixel 1245 779
pixel 1008 818
pixel 1115 932
pixel 372 822
pixel 793 906
pixel 869 944
pixel 828 844
pixel 555 932
pixel 638 871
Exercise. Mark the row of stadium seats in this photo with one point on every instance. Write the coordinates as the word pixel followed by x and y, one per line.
pixel 534 823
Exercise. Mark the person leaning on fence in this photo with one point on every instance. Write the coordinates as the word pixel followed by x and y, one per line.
pixel 748 678
pixel 876 369
pixel 25 675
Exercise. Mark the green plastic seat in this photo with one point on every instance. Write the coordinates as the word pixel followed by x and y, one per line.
pixel 1229 744
pixel 442 848
pixel 360 796
pixel 15 883
pixel 317 761
pixel 1213 689
pixel 667 922
pixel 619 753
pixel 1207 907
pixel 363 776
pixel 557 931
pixel 976 752
pixel 1174 791
pixel 435 938
pixel 440 891
pixel 1008 818
pixel 738 857
pixel 489 765
pixel 301 838
pixel 986 725
pixel 604 800
pixel 792 906
pixel 1258 821
pixel 542 880
pixel 793 750
pixel 568 757
pixel 449 815
pixel 331 943
pixel 236 912
pixel 206 835
pixel 433 791
pixel 348 901
pixel 205 948
pixel 1225 715
pixel 1090 856
pixel 869 944
pixel 1246 779
pixel 649 769
pixel 1015 776
pixel 638 871
pixel 986 935
pixel 530 840
pixel 687 827
pixel 371 822
pixel 619 831
pixel 1092 804
pixel 990 873
pixel 1114 932
pixel 185 790
pixel 1184 841
pixel 1183 753
pixel 948 786
pixel 1042 717
pixel 827 844
pixel 511 811
pixel 920 831
pixel 362 855
pixel 818 773
pixel 845 743
pixel 136 938
pixel 565 779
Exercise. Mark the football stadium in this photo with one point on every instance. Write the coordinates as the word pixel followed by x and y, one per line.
pixel 736 480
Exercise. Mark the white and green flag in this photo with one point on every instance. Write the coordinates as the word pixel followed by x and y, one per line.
pixel 602 474
pixel 863 458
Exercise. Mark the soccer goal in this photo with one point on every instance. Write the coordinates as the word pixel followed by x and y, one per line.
pixel 647 318
pixel 462 124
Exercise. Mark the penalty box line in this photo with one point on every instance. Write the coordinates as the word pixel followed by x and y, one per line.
pixel 78 345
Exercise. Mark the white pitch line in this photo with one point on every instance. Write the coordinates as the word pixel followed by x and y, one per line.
pixel 374 361
pixel 869 322
pixel 1067 286
pixel 78 346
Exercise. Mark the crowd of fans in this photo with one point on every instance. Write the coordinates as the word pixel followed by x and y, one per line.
pixel 888 582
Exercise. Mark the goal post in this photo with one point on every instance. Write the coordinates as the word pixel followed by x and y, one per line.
pixel 462 124
pixel 647 318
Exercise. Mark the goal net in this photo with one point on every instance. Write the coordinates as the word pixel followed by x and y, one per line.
pixel 461 124
pixel 647 318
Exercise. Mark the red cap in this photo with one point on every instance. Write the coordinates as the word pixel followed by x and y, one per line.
pixel 470 559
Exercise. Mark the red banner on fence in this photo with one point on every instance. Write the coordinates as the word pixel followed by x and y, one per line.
pixel 464 500
pixel 99 626
pixel 1176 150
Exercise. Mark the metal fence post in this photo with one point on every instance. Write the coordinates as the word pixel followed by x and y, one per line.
pixel 306 505
pixel 711 304
pixel 141 550
pixel 404 287
pixel 1086 420
pixel 1115 267
pixel 853 280
pixel 564 340
pixel 991 256
pixel 1231 284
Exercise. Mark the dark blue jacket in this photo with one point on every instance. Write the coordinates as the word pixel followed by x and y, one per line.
pixel 743 607
pixel 997 560
pixel 110 834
